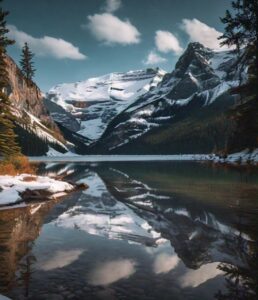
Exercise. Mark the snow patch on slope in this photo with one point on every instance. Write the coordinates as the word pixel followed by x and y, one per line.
pixel 96 101
pixel 36 126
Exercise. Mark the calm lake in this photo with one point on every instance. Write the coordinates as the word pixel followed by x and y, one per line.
pixel 143 230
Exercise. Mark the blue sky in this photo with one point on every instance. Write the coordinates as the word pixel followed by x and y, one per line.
pixel 75 40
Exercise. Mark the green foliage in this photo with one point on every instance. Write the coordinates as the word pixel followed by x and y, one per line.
pixel 27 64
pixel 241 25
pixel 241 31
pixel 31 144
pixel 191 131
pixel 8 144
pixel 4 42
pixel 241 282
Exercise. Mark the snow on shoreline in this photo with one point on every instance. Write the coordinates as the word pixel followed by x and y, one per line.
pixel 240 158
pixel 114 158
pixel 12 186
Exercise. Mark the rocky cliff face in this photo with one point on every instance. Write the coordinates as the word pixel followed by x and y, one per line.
pixel 33 120
pixel 24 96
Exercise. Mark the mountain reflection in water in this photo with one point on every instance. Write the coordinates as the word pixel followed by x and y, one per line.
pixel 142 230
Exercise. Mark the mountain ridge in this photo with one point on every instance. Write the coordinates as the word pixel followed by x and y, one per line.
pixel 117 114
pixel 94 102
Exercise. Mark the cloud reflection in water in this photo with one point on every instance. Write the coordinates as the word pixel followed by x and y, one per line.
pixel 194 278
pixel 164 263
pixel 112 271
pixel 61 259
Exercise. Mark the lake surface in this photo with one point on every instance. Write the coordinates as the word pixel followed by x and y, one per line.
pixel 143 230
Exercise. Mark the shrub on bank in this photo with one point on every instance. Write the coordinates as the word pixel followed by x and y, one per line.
pixel 15 165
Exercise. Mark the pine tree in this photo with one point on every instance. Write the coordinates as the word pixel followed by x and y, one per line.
pixel 8 144
pixel 27 64
pixel 241 31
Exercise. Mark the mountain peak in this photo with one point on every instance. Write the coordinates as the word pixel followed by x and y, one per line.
pixel 195 55
pixel 196 46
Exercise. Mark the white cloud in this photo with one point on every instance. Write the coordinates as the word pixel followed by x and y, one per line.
pixel 202 33
pixel 112 5
pixel 167 42
pixel 47 45
pixel 111 30
pixel 153 58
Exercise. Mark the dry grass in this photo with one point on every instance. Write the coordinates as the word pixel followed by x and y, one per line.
pixel 29 178
pixel 15 165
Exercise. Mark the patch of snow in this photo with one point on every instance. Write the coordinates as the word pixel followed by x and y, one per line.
pixel 182 102
pixel 163 118
pixel 92 129
pixel 12 186
pixel 194 79
pixel 216 61
pixel 41 130
pixel 243 157
pixel 221 89
pixel 147 112
pixel 182 212
pixel 147 195
pixel 104 97
pixel 53 152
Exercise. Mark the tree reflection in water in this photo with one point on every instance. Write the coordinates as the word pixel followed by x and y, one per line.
pixel 242 281
pixel 19 227
pixel 26 270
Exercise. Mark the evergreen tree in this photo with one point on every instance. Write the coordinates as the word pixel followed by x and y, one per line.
pixel 241 31
pixel 27 63
pixel 8 144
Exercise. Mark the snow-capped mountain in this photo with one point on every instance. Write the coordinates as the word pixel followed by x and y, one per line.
pixel 93 103
pixel 152 111
pixel 188 104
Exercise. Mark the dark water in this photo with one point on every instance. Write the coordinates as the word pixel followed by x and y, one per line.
pixel 153 230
